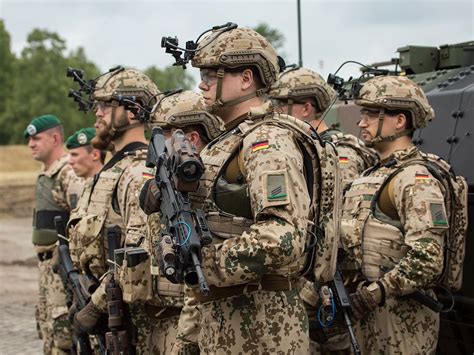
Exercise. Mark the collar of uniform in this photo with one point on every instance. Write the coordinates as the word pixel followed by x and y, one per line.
pixel 55 167
pixel 252 114
pixel 402 154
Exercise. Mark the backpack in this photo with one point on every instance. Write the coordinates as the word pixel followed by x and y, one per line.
pixel 322 178
pixel 456 207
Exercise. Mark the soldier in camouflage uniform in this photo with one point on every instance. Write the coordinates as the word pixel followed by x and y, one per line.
pixel 185 111
pixel 393 229
pixel 57 191
pixel 305 95
pixel 113 197
pixel 85 160
pixel 256 202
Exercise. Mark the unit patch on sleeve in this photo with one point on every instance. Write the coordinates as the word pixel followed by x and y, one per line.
pixel 438 215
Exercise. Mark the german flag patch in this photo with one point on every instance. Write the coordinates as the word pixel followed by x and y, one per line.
pixel 147 175
pixel 420 177
pixel 343 160
pixel 260 146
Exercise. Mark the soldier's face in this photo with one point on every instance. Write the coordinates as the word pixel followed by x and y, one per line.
pixel 41 146
pixel 83 160
pixel 208 86
pixel 369 121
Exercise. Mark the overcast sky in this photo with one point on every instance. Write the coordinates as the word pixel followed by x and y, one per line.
pixel 129 32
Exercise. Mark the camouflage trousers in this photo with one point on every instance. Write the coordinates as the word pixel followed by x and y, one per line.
pixel 51 311
pixel 401 326
pixel 333 339
pixel 155 335
pixel 260 322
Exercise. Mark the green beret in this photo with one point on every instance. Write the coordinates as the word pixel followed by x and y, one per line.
pixel 40 124
pixel 81 138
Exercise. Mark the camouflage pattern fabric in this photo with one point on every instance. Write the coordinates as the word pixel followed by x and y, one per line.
pixel 188 329
pixel 273 244
pixel 129 82
pixel 52 319
pixel 238 47
pixel 397 93
pixel 301 83
pixel 52 310
pixel 67 186
pixel 261 322
pixel 405 254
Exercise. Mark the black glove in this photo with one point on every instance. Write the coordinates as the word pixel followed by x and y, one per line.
pixel 363 302
pixel 150 197
pixel 86 319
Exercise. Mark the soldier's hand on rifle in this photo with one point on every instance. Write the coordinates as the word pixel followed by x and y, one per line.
pixel 365 300
pixel 71 313
pixel 86 319
pixel 150 198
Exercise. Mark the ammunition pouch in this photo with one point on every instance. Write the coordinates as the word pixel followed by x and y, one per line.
pixel 134 274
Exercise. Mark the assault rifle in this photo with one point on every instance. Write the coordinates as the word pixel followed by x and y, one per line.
pixel 119 339
pixel 78 288
pixel 178 170
pixel 344 305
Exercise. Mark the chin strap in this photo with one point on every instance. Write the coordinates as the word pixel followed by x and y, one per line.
pixel 378 136
pixel 114 130
pixel 216 106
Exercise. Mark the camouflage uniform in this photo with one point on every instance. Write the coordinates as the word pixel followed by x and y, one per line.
pixel 297 86
pixel 112 199
pixel 58 186
pixel 179 110
pixel 394 243
pixel 257 204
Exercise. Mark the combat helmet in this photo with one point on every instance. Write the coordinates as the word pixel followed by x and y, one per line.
pixel 296 84
pixel 226 49
pixel 395 93
pixel 125 82
pixel 183 109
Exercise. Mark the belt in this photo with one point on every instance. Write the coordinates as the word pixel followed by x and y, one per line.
pixel 45 256
pixel 268 283
pixel 159 312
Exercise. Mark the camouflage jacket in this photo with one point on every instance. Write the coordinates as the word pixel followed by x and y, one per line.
pixel 405 251
pixel 269 237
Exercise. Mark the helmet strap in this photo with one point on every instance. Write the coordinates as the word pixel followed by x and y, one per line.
pixel 378 136
pixel 220 103
pixel 290 106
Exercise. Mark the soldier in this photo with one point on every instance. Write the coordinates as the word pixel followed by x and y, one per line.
pixel 394 222
pixel 85 160
pixel 305 95
pixel 113 197
pixel 57 190
pixel 186 111
pixel 256 202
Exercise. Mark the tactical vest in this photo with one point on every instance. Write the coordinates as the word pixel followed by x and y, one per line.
pixel 364 224
pixel 323 186
pixel 46 208
pixel 94 212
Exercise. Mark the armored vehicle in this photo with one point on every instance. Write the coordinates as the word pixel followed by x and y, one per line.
pixel 446 74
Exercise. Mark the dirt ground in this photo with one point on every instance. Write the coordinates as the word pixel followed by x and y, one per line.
pixel 18 288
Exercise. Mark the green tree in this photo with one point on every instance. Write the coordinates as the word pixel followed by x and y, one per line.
pixel 41 85
pixel 7 67
pixel 170 77
pixel 276 38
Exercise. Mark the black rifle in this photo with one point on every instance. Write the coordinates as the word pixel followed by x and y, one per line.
pixel 343 302
pixel 74 283
pixel 178 170
pixel 119 339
